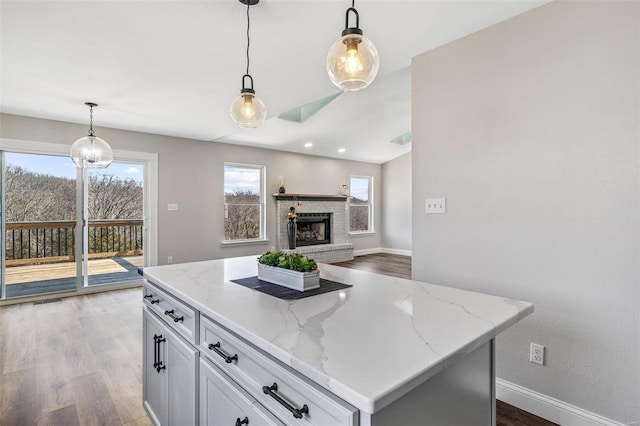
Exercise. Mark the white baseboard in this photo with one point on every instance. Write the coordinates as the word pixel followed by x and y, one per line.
pixel 381 250
pixel 397 251
pixel 367 251
pixel 548 408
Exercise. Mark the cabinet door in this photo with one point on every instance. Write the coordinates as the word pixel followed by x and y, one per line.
pixel 182 371
pixel 225 403
pixel 154 389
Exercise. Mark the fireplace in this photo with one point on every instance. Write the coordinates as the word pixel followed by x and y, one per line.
pixel 334 245
pixel 313 229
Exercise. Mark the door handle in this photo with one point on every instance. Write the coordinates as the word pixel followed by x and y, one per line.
pixel 158 364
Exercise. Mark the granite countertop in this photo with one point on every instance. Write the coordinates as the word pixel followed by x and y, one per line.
pixel 368 344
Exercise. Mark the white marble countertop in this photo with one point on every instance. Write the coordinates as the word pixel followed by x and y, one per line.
pixel 368 344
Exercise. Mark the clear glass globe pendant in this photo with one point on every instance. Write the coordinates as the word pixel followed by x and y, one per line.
pixel 247 110
pixel 352 61
pixel 90 151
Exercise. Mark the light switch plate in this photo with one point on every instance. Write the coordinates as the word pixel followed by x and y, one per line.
pixel 172 207
pixel 435 205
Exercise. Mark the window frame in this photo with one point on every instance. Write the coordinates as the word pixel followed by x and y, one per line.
pixel 262 204
pixel 369 204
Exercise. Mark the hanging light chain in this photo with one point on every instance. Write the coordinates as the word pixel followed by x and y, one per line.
pixel 91 133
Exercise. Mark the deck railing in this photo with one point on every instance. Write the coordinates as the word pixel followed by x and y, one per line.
pixel 29 243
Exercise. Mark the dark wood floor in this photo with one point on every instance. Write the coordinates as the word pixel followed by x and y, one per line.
pixel 400 266
pixel 382 263
pixel 78 361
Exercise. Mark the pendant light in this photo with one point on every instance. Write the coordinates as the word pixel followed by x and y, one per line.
pixel 90 151
pixel 352 61
pixel 247 110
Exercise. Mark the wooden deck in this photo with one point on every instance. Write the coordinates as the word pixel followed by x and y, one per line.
pixel 54 277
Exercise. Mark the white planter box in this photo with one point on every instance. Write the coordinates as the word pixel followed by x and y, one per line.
pixel 295 280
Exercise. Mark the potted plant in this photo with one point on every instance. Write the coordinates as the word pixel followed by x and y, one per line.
pixel 290 270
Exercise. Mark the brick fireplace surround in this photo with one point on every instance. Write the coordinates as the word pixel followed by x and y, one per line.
pixel 340 249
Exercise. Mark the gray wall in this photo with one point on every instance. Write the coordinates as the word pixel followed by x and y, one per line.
pixel 396 206
pixel 530 130
pixel 191 174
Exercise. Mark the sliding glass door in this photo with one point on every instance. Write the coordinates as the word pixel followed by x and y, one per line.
pixel 67 229
pixel 114 224
pixel 40 218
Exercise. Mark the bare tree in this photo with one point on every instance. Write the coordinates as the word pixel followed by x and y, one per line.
pixel 359 214
pixel 241 215
pixel 33 196
pixel 38 197
pixel 111 197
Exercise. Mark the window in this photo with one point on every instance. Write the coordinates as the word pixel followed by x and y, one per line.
pixel 243 202
pixel 360 203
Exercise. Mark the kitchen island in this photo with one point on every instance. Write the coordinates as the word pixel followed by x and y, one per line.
pixel 385 351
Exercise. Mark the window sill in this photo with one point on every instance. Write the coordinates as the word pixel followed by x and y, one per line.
pixel 363 233
pixel 224 243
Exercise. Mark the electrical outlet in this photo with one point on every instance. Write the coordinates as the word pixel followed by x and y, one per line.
pixel 170 259
pixel 536 354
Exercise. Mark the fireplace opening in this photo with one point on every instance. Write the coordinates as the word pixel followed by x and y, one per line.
pixel 313 229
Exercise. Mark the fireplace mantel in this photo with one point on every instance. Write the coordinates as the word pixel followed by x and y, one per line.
pixel 309 197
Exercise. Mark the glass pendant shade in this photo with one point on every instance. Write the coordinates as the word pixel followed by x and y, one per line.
pixel 352 62
pixel 91 152
pixel 247 110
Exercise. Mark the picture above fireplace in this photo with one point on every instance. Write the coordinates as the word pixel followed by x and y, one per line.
pixel 313 229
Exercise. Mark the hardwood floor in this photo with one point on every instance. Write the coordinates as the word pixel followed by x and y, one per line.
pixel 74 362
pixel 508 415
pixel 382 263
pixel 78 361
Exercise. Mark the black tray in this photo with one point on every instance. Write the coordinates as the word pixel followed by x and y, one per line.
pixel 287 293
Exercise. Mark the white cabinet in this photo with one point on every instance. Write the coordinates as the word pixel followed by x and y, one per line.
pixel 170 371
pixel 224 403
pixel 154 391
pixel 285 393
pixel 195 371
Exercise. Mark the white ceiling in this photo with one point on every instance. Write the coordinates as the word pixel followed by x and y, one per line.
pixel 172 67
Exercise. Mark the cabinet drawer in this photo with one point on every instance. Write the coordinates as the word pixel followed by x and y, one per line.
pixel 224 403
pixel 275 385
pixel 179 316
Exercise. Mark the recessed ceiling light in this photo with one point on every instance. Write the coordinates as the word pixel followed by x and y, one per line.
pixel 341 150
pixel 308 145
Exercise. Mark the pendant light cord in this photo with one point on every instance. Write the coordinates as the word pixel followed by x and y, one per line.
pixel 248 38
